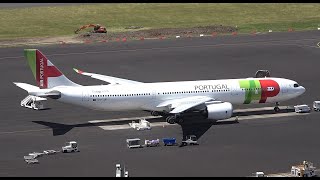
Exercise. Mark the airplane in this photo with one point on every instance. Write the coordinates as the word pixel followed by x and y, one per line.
pixel 214 99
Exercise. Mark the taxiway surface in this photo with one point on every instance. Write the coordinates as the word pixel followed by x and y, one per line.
pixel 229 149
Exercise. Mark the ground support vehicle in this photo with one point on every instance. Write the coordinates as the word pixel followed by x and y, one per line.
pixel 71 146
pixel 306 169
pixel 190 140
pixel 134 143
pixel 316 105
pixel 33 102
pixel 152 143
pixel 302 108
pixel 169 141
pixel 142 125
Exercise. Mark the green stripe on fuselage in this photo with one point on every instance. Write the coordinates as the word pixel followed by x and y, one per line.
pixel 30 55
pixel 252 90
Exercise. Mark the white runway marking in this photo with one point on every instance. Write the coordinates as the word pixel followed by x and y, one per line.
pixel 270 115
pixel 124 119
pixel 157 124
pixel 259 109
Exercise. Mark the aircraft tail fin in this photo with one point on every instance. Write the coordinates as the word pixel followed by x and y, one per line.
pixel 45 73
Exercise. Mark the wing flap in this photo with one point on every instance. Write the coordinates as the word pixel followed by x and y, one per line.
pixel 109 79
pixel 183 104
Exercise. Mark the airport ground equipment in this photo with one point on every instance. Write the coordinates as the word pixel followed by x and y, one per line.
pixel 71 146
pixel 152 143
pixel 142 125
pixel 302 108
pixel 32 161
pixel 306 169
pixel 97 28
pixel 259 174
pixel 121 172
pixel 169 141
pixel 316 105
pixel 134 143
pixel 31 158
pixel 33 102
pixel 49 152
pixel 262 74
pixel 118 170
pixel 35 154
pixel 190 140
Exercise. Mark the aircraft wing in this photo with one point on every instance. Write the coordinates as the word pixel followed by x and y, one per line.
pixel 109 79
pixel 183 104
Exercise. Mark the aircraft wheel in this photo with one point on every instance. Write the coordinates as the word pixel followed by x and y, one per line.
pixel 180 120
pixel 170 119
pixel 154 113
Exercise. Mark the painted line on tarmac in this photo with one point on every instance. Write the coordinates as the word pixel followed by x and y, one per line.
pixel 124 119
pixel 158 124
pixel 271 116
pixel 260 109
pixel 23 131
pixel 126 126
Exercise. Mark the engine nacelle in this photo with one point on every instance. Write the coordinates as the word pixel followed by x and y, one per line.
pixel 219 111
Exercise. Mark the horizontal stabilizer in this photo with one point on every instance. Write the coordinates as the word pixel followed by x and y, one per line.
pixel 36 91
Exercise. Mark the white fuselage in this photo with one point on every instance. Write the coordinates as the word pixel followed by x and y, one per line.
pixel 146 96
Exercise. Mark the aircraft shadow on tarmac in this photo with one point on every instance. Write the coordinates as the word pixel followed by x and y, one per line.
pixel 192 125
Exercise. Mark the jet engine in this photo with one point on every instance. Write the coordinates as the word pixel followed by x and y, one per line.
pixel 219 111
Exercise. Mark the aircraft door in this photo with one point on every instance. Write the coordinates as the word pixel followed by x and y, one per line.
pixel 154 94
pixel 85 96
pixel 234 89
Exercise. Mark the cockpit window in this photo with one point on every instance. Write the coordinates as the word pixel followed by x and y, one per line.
pixel 296 85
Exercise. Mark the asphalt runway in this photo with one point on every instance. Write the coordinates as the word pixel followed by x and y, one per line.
pixel 271 145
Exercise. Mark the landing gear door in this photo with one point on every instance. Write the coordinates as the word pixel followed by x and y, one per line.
pixel 85 96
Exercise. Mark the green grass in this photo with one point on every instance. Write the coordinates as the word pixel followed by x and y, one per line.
pixel 63 20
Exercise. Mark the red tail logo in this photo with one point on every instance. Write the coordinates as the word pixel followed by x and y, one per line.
pixel 43 71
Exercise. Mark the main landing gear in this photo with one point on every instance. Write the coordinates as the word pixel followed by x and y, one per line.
pixel 170 118
pixel 175 118
pixel 276 108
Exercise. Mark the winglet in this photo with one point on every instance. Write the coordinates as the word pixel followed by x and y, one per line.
pixel 78 71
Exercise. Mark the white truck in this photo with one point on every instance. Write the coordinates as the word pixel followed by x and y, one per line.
pixel 141 125
pixel 118 170
pixel 71 146
pixel 190 140
pixel 302 108
pixel 306 169
pixel 121 172
pixel 316 105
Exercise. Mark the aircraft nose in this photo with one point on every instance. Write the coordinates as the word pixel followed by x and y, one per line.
pixel 302 89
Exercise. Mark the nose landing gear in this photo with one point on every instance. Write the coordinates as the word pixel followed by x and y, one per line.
pixel 276 108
